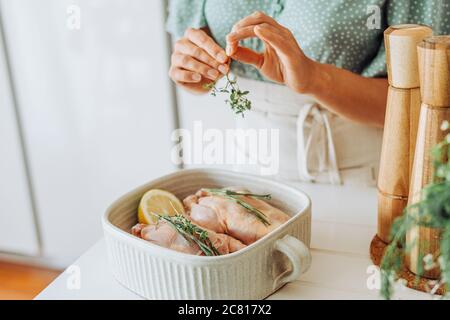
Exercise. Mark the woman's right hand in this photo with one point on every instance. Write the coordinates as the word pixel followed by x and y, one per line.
pixel 197 60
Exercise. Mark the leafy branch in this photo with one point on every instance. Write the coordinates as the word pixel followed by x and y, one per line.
pixel 236 193
pixel 237 99
pixel 191 233
pixel 235 196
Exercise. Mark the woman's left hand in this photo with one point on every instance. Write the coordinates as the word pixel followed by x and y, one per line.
pixel 282 60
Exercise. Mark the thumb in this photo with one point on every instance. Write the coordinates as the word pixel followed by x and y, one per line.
pixel 248 56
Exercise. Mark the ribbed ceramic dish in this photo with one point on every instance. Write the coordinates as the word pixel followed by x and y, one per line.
pixel 254 272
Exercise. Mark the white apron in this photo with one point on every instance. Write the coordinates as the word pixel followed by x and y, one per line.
pixel 315 145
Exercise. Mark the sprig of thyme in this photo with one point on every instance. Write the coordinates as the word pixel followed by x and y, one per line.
pixel 191 233
pixel 235 196
pixel 237 99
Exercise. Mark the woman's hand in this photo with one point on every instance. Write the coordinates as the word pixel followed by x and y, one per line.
pixel 341 91
pixel 197 60
pixel 282 60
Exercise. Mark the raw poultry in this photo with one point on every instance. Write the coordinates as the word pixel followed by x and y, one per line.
pixel 223 215
pixel 165 235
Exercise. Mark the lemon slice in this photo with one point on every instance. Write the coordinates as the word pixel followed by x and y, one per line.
pixel 158 202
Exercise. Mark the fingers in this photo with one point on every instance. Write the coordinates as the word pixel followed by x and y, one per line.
pixel 270 34
pixel 245 29
pixel 256 18
pixel 264 31
pixel 240 34
pixel 183 76
pixel 202 40
pixel 186 47
pixel 248 56
pixel 189 63
pixel 197 59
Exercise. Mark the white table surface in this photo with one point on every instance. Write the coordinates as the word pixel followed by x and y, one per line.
pixel 344 223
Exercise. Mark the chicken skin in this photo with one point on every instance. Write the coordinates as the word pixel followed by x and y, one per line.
pixel 225 216
pixel 164 235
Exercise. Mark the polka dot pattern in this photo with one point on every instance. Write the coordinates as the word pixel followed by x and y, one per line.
pixel 333 32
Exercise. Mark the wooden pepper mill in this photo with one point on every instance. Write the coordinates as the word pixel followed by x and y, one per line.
pixel 434 68
pixel 399 138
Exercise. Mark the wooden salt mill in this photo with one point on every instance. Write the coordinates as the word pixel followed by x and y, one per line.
pixel 434 68
pixel 399 138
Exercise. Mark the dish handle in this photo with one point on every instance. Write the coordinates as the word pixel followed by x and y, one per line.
pixel 299 256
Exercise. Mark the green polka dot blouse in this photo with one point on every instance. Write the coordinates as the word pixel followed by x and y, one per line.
pixel 346 33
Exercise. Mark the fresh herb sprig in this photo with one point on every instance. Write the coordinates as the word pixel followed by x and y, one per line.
pixel 191 233
pixel 237 99
pixel 236 193
pixel 235 196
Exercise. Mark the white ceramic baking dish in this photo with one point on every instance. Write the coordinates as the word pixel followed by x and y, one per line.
pixel 254 272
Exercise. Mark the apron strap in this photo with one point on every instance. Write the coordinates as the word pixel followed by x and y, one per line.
pixel 315 120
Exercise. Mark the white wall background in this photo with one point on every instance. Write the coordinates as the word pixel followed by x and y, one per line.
pixel 17 224
pixel 96 108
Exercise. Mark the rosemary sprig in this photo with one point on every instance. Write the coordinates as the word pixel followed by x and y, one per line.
pixel 237 99
pixel 191 233
pixel 234 196
pixel 236 193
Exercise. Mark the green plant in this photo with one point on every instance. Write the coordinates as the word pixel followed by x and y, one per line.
pixel 432 211
pixel 191 233
pixel 237 99
pixel 236 197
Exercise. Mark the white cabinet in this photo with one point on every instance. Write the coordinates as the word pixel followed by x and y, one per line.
pixel 95 100
pixel 17 227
